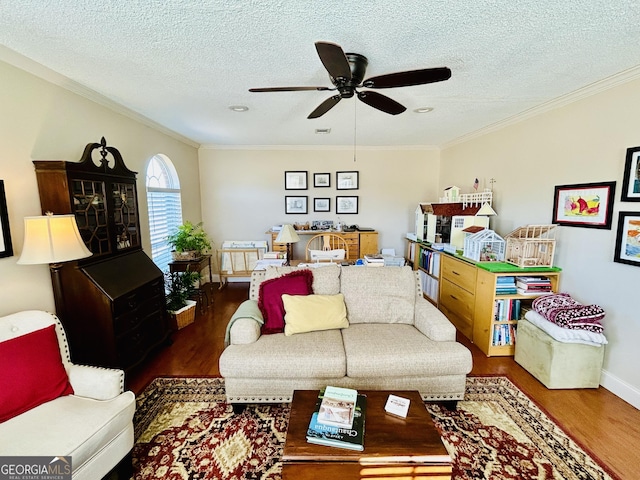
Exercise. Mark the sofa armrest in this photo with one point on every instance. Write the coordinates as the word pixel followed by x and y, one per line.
pixel 432 322
pixel 244 325
pixel 96 382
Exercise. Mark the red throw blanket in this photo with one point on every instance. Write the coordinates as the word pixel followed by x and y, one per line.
pixel 565 312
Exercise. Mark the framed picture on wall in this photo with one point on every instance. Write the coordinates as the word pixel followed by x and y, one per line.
pixel 347 180
pixel 295 180
pixel 628 239
pixel 631 179
pixel 6 247
pixel 295 204
pixel 321 180
pixel 321 204
pixel 584 205
pixel 346 205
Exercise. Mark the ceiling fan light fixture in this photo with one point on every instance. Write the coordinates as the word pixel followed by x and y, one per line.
pixel 238 108
pixel 423 109
pixel 323 131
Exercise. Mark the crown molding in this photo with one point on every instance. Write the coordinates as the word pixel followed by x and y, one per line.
pixel 322 147
pixel 590 90
pixel 23 63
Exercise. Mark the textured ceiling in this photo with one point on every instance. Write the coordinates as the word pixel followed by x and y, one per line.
pixel 181 63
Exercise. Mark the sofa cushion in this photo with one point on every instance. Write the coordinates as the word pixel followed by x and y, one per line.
pixel 379 295
pixel 326 279
pixel 32 372
pixel 400 351
pixel 314 354
pixel 70 425
pixel 270 297
pixel 313 312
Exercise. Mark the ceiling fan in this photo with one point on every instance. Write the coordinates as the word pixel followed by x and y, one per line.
pixel 346 71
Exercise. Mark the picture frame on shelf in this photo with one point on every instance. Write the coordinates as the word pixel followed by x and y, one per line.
pixel 631 179
pixel 588 205
pixel 296 205
pixel 295 180
pixel 628 239
pixel 6 247
pixel 321 180
pixel 348 180
pixel 346 205
pixel 321 204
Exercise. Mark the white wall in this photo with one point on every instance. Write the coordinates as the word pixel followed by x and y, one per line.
pixel 243 189
pixel 582 142
pixel 42 121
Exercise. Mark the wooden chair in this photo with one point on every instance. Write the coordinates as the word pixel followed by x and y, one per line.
pixel 327 247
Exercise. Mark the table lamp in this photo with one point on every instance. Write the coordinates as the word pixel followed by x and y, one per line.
pixel 52 239
pixel 288 235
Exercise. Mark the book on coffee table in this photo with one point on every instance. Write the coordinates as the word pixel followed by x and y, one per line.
pixel 322 433
pixel 338 406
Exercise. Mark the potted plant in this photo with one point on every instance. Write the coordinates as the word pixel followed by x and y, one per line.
pixel 189 241
pixel 179 287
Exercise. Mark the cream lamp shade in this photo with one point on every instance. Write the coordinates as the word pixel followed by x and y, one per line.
pixel 52 239
pixel 287 235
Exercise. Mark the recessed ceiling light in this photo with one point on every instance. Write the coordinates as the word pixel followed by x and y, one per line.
pixel 323 131
pixel 238 108
pixel 423 109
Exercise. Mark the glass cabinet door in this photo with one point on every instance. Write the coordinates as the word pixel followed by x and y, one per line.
pixel 125 215
pixel 91 214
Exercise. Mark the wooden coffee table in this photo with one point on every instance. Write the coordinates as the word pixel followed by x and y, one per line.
pixel 393 447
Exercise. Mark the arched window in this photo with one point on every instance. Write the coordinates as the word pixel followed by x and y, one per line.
pixel 165 207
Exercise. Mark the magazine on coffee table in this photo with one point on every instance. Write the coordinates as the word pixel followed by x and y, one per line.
pixel 322 433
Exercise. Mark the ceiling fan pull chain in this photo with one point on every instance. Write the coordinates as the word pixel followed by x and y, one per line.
pixel 355 126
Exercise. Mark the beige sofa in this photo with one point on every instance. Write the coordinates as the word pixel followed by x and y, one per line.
pixel 395 340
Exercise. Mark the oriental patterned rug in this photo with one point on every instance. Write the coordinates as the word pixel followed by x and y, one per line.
pixel 185 430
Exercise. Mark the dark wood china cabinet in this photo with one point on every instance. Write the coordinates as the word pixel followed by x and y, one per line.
pixel 112 304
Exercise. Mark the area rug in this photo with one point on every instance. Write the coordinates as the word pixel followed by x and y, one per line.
pixel 184 429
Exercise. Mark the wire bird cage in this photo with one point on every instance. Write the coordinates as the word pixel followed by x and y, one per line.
pixel 531 246
pixel 484 246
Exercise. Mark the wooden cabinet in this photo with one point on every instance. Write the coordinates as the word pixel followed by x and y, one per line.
pixel 458 293
pixel 493 330
pixel 111 304
pixel 359 243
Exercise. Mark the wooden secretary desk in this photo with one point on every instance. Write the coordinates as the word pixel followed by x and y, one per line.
pixel 111 304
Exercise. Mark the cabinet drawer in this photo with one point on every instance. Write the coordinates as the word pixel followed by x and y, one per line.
pixel 457 300
pixel 459 273
pixel 135 298
pixel 131 319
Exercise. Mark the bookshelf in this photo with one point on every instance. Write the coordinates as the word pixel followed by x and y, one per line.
pixel 426 260
pixel 496 315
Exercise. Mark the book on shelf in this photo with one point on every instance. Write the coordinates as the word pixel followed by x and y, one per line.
pixel 507 309
pixel 331 434
pixel 504 334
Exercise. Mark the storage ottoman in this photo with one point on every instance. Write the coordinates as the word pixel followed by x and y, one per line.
pixel 557 364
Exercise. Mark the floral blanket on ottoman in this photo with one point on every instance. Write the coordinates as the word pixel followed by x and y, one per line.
pixel 566 312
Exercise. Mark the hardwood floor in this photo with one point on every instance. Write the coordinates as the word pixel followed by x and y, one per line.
pixel 600 422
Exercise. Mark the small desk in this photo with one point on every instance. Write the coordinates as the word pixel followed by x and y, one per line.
pixel 197 266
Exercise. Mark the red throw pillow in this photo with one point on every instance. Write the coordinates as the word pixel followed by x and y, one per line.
pixel 32 372
pixel 298 282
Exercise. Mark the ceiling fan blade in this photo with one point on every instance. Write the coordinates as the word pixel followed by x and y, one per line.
pixel 381 102
pixel 406 79
pixel 325 106
pixel 288 89
pixel 334 60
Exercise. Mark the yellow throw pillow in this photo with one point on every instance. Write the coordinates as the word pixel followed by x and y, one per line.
pixel 310 313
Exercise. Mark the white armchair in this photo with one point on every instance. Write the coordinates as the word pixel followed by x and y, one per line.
pixel 94 425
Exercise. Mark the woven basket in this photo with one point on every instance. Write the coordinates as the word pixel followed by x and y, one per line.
pixel 185 316
pixel 185 256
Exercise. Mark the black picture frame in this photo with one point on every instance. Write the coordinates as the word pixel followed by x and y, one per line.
pixel 322 204
pixel 631 179
pixel 588 205
pixel 321 180
pixel 295 180
pixel 346 205
pixel 6 247
pixel 348 180
pixel 296 205
pixel 628 239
